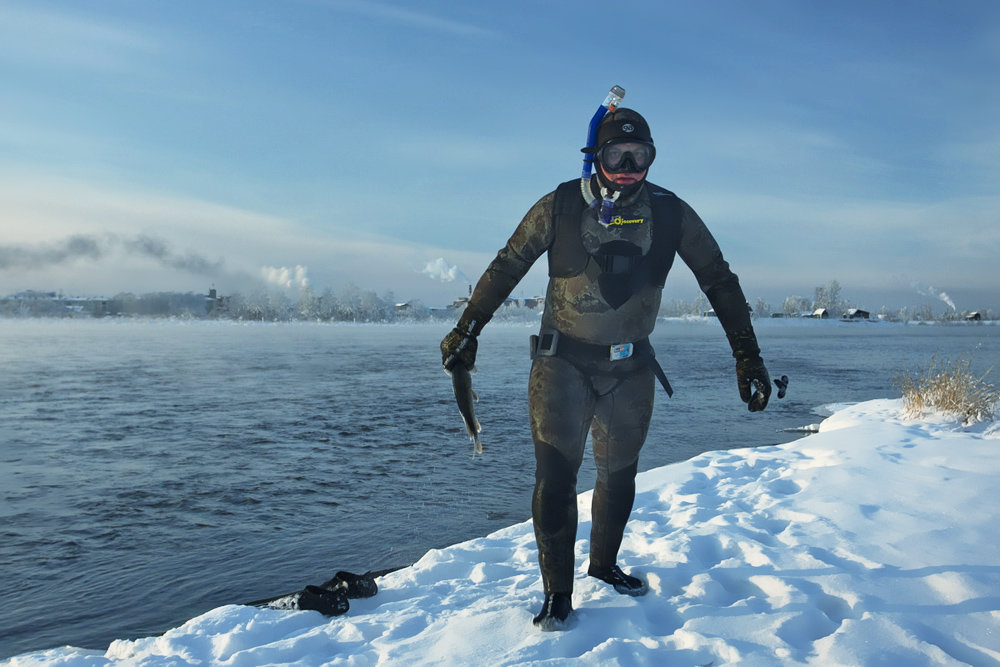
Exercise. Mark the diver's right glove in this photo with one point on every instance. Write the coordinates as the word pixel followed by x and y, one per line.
pixel 751 376
pixel 460 345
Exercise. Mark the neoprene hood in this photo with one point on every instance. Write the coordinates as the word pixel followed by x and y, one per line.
pixel 624 124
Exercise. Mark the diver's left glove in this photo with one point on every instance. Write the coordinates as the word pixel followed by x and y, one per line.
pixel 461 344
pixel 751 376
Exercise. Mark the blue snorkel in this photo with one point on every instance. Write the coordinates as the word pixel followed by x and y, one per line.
pixel 610 103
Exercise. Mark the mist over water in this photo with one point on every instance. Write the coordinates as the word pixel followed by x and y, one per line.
pixel 151 471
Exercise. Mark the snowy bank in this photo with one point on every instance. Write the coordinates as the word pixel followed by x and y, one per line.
pixel 871 542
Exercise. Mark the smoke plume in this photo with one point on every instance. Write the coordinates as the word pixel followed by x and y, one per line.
pixel 159 250
pixel 927 290
pixel 440 270
pixel 95 248
pixel 282 276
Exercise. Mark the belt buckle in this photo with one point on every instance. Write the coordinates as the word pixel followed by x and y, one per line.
pixel 545 344
pixel 620 351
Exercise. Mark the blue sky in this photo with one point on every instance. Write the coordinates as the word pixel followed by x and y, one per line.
pixel 172 144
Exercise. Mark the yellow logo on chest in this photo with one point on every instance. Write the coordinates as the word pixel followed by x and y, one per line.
pixel 618 220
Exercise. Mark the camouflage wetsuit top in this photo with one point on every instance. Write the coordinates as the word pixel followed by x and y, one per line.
pixel 575 306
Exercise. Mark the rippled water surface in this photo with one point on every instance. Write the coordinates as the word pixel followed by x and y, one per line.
pixel 151 471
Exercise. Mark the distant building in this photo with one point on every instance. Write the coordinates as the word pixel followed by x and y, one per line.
pixel 819 314
pixel 711 311
pixel 974 316
pixel 215 304
pixel 34 295
pixel 857 314
pixel 34 303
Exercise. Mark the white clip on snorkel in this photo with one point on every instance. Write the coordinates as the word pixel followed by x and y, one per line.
pixel 610 103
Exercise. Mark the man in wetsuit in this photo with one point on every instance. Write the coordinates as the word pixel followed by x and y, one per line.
pixel 593 368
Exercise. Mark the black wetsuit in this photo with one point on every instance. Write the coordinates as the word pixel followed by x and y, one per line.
pixel 594 304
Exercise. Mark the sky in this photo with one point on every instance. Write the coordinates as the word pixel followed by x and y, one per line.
pixel 753 556
pixel 175 145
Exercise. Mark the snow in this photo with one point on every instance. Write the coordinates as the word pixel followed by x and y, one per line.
pixel 872 542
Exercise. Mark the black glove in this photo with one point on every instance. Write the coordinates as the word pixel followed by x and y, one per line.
pixel 459 347
pixel 751 376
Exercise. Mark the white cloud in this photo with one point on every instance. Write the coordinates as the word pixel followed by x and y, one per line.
pixel 71 40
pixel 456 151
pixel 413 19
pixel 43 216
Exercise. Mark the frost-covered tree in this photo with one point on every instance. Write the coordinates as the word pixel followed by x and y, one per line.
pixel 795 305
pixel 349 303
pixel 829 297
pixel 761 308
pixel 923 313
pixel 700 304
pixel 326 305
pixel 262 304
pixel 308 305
pixel 674 308
pixel 372 308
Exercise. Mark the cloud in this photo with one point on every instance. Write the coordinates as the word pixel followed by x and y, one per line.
pixel 455 151
pixel 413 19
pixel 93 239
pixel 71 40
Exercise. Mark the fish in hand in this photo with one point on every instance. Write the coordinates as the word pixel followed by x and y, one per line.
pixel 461 382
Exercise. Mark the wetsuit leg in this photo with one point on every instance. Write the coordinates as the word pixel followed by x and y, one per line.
pixel 561 402
pixel 619 431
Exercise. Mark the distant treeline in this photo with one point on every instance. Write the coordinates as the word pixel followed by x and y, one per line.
pixel 353 304
pixel 349 304
pixel 828 300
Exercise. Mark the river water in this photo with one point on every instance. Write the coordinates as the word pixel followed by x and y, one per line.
pixel 153 470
